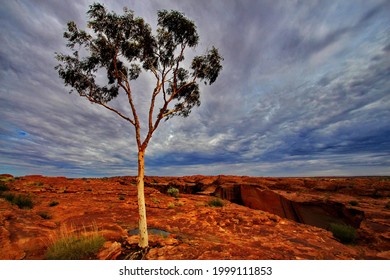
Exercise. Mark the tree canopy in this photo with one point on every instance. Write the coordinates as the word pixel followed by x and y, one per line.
pixel 124 46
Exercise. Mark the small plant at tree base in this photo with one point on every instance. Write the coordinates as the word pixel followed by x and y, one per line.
pixel 344 233
pixel 173 192
pixel 216 202
pixel 75 246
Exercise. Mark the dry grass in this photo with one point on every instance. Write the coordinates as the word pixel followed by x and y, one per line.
pixel 69 244
pixel 216 202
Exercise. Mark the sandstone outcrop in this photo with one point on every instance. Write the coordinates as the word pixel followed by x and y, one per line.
pixel 262 218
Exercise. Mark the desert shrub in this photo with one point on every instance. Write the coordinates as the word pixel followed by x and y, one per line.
pixel 179 203
pixel 62 190
pixel 8 196
pixel 216 202
pixel 5 179
pixel 22 201
pixel 171 205
pixel 344 233
pixel 173 192
pixel 45 215
pixel 53 203
pixel 3 187
pixel 121 197
pixel 353 203
pixel 75 246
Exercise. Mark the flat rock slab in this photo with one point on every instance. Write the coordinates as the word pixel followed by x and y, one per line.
pixel 194 229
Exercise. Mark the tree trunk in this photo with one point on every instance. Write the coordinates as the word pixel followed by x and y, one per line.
pixel 143 230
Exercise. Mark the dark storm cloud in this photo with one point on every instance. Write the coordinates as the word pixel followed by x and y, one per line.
pixel 304 91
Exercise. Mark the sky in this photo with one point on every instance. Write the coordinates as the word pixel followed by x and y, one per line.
pixel 304 91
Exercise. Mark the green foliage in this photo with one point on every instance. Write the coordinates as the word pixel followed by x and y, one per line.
pixel 22 201
pixel 175 30
pixel 173 192
pixel 53 203
pixel 344 233
pixel 171 205
pixel 216 202
pixel 124 45
pixel 75 246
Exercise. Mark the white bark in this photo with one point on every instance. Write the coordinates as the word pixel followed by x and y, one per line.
pixel 143 229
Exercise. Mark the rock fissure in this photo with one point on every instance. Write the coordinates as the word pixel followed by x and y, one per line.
pixel 312 211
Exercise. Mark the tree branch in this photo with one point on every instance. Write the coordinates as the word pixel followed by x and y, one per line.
pixel 127 89
pixel 155 93
pixel 154 71
pixel 113 110
pixel 183 46
pixel 164 80
pixel 136 119
pixel 169 113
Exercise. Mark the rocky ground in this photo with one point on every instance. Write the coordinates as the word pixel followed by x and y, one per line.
pixel 262 218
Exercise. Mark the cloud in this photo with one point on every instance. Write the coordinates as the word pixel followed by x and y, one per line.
pixel 304 91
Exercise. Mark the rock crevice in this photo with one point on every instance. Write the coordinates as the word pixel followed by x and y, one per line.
pixel 313 212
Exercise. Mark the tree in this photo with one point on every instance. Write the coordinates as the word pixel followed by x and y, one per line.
pixel 123 46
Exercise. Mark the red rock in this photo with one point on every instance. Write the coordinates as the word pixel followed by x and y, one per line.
pixel 199 231
pixel 110 251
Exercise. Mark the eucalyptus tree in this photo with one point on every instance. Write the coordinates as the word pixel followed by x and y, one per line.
pixel 123 46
